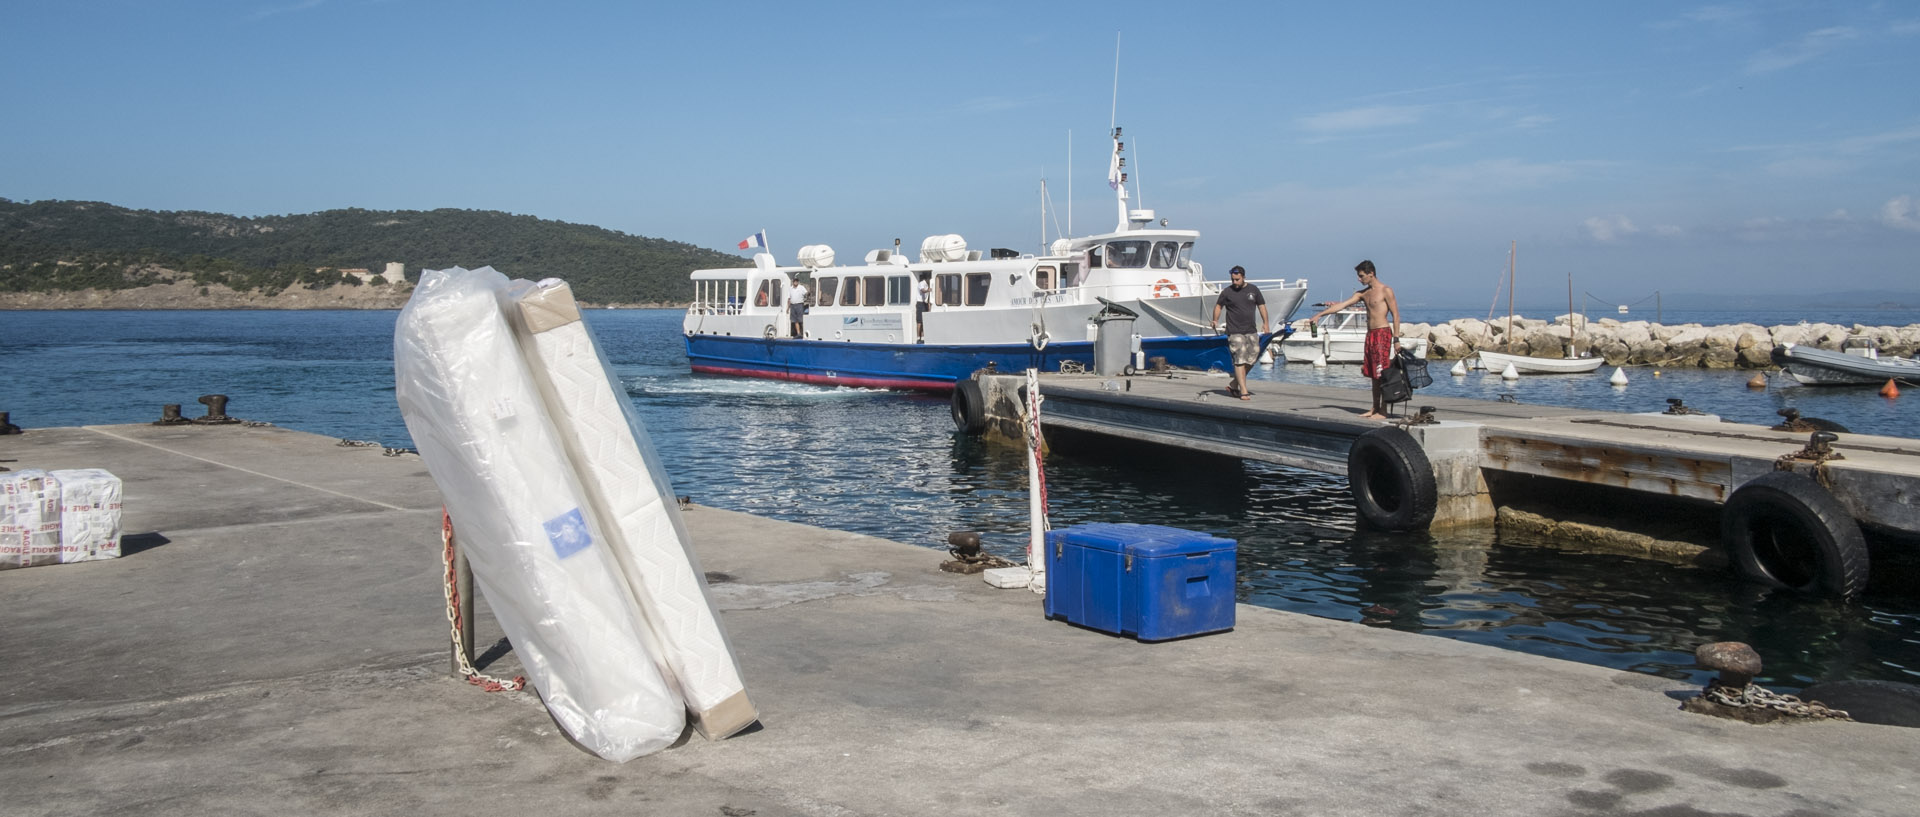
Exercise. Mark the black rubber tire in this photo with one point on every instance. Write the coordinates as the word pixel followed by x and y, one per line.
pixel 1785 530
pixel 1391 480
pixel 969 407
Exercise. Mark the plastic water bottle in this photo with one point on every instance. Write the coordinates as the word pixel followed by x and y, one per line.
pixel 1313 329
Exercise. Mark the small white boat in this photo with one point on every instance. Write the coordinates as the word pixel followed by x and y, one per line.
pixel 1858 364
pixel 1342 339
pixel 1524 364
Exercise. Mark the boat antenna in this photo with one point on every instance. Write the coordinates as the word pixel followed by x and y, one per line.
pixel 1069 183
pixel 1113 117
pixel 1139 196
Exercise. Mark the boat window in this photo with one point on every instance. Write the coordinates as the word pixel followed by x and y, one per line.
pixel 1127 254
pixel 850 294
pixel 1163 254
pixel 769 294
pixel 1071 275
pixel 827 288
pixel 876 286
pixel 977 283
pixel 947 289
pixel 1093 258
pixel 1045 278
pixel 899 289
pixel 1186 256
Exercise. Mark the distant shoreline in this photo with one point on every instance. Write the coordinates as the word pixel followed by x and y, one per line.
pixel 187 296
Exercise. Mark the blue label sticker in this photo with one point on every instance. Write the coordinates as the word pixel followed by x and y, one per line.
pixel 568 533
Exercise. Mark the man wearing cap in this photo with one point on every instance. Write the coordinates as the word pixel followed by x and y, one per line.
pixel 1241 300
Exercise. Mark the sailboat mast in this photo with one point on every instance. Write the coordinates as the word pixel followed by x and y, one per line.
pixel 1571 346
pixel 1511 249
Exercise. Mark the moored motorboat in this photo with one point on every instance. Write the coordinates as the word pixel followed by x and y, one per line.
pixel 865 325
pixel 1856 365
pixel 1341 338
pixel 1527 364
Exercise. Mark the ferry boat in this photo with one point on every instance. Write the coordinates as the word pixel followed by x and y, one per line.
pixel 999 308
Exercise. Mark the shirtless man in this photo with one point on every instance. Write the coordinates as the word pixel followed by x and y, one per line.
pixel 1381 340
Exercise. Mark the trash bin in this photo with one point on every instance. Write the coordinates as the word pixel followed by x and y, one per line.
pixel 1113 339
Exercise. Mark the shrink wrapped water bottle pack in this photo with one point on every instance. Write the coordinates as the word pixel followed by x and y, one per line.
pixel 89 515
pixel 551 551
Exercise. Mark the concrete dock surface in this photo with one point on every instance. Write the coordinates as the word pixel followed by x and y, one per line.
pixel 275 641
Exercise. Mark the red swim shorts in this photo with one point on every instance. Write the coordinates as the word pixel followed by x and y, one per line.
pixel 1379 352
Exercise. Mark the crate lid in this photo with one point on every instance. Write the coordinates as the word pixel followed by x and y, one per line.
pixel 1145 541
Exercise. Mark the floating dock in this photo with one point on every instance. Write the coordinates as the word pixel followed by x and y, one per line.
pixel 275 639
pixel 1444 479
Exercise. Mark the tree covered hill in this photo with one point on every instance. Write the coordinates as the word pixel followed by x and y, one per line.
pixel 51 246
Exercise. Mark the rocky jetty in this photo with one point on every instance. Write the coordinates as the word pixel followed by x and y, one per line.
pixel 1623 343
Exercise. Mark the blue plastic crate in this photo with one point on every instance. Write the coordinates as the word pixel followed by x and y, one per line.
pixel 1152 582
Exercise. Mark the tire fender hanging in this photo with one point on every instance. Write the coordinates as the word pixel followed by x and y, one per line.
pixel 1783 529
pixel 969 407
pixel 1391 480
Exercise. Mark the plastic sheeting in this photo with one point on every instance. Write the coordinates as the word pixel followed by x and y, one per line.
pixel 89 514
pixel 29 518
pixel 628 492
pixel 543 564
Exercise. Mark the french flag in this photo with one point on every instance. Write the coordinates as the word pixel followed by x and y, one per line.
pixel 758 239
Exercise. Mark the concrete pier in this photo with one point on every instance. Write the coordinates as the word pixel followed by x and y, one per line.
pixel 1685 456
pixel 275 641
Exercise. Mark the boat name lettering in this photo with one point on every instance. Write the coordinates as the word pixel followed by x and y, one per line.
pixel 879 322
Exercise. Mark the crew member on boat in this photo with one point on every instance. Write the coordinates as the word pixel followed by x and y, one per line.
pixel 1380 337
pixel 797 308
pixel 1243 335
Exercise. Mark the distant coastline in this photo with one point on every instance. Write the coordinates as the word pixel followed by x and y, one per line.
pixel 187 295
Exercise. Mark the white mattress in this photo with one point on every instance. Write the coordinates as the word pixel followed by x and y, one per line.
pixel 541 561
pixel 629 493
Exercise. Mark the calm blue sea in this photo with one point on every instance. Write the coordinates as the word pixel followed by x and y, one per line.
pixel 889 464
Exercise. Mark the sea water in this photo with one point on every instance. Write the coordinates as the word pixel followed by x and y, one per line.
pixel 889 464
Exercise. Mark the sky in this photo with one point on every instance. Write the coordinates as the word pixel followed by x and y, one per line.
pixel 1633 147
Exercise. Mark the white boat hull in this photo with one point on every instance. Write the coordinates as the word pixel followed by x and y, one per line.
pixel 1813 366
pixel 1498 362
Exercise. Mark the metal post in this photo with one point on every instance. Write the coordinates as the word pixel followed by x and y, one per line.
pixel 463 585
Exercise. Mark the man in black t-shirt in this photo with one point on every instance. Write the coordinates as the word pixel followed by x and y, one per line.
pixel 1241 300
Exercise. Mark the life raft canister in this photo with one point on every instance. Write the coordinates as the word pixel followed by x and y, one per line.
pixel 1164 284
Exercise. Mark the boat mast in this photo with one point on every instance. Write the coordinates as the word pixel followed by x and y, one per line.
pixel 1511 249
pixel 1116 175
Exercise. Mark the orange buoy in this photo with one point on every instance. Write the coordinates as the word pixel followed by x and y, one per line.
pixel 1889 390
pixel 1759 381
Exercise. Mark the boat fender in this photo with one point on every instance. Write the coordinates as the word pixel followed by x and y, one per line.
pixel 1890 703
pixel 969 407
pixel 1783 529
pixel 1391 480
pixel 1169 286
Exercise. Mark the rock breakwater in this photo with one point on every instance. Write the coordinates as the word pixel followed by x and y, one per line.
pixel 1624 343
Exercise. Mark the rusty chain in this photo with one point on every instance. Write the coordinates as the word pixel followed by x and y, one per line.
pixel 1754 696
pixel 455 622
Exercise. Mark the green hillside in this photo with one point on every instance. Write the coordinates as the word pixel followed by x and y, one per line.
pixel 70 245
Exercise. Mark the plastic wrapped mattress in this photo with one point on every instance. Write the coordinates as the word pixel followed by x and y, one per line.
pixel 537 553
pixel 628 492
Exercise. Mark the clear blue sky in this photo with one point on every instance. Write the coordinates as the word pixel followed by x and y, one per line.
pixel 1769 146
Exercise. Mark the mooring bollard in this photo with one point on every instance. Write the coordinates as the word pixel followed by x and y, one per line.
pixel 216 410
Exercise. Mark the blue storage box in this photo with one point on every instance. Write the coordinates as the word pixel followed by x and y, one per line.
pixel 1152 582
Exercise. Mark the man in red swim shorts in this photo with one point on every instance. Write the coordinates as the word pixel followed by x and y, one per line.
pixel 1381 339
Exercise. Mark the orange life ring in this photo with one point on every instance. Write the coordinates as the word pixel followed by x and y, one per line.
pixel 1166 285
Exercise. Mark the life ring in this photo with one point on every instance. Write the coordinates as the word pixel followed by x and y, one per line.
pixel 1785 530
pixel 1392 480
pixel 1039 340
pixel 969 407
pixel 1166 285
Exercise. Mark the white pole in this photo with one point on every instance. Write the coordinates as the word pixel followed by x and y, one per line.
pixel 1036 506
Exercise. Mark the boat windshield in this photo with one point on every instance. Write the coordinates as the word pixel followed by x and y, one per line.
pixel 1186 256
pixel 1164 255
pixel 1127 254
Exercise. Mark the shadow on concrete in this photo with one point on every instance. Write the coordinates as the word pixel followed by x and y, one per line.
pixel 141 542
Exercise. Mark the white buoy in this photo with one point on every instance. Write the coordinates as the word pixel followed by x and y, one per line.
pixel 1459 368
pixel 1510 373
pixel 1266 356
pixel 1619 377
pixel 1319 360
